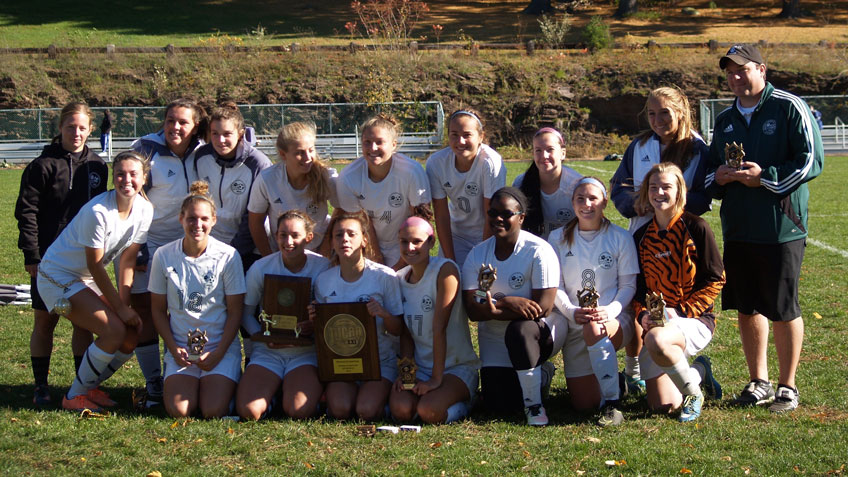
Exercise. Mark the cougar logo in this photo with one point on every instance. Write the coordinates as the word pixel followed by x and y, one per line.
pixel 238 187
pixel 605 260
pixel 516 280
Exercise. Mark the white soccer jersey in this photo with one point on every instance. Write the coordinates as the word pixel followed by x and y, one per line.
pixel 557 209
pixel 196 288
pixel 377 281
pixel 466 190
pixel 97 225
pixel 272 194
pixel 532 265
pixel 598 263
pixel 387 202
pixel 418 310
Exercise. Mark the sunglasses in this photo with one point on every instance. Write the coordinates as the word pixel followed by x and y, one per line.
pixel 503 214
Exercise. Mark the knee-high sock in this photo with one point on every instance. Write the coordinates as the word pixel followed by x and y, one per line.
pixel 605 367
pixel 456 411
pixel 40 369
pixel 94 362
pixel 117 361
pixel 531 385
pixel 631 367
pixel 687 379
pixel 150 363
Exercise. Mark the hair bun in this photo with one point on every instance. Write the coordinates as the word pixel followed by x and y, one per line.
pixel 199 188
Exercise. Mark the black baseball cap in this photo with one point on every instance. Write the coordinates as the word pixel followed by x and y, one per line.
pixel 741 54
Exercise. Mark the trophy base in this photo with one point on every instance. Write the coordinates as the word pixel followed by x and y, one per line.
pixel 480 297
pixel 193 358
pixel 284 338
pixel 408 387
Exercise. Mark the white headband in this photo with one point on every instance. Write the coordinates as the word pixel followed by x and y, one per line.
pixel 593 181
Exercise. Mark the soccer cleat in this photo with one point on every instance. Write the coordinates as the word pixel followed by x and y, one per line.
pixel 610 415
pixel 630 385
pixel 711 386
pixel 100 397
pixel 755 393
pixel 785 400
pixel 691 409
pixel 41 395
pixel 548 371
pixel 536 415
pixel 79 403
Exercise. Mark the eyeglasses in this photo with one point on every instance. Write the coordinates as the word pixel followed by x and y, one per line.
pixel 503 214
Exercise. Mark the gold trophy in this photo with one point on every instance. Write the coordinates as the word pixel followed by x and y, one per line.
pixel 588 298
pixel 196 341
pixel 407 369
pixel 485 279
pixel 656 309
pixel 734 154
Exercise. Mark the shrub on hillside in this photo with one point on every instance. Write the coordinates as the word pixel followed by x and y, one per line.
pixel 597 34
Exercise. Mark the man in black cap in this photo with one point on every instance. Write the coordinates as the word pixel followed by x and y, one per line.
pixel 764 217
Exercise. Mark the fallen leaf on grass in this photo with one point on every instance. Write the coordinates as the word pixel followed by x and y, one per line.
pixel 309 443
pixel 155 473
pixel 435 445
pixel 82 459
pixel 747 470
pixel 14 419
pixel 526 454
pixel 726 457
pixel 686 444
pixel 230 430
pixel 593 440
pixel 308 465
pixel 580 472
pixel 483 462
pixel 685 471
pixel 161 440
pixel 817 316
pixel 175 424
pixel 198 441
pixel 796 469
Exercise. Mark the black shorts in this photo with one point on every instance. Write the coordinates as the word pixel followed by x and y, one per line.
pixel 763 278
pixel 500 391
pixel 37 302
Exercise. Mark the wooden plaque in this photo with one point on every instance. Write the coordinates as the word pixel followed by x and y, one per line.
pixel 346 342
pixel 284 303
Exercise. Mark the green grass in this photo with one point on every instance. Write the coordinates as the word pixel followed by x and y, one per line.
pixel 725 441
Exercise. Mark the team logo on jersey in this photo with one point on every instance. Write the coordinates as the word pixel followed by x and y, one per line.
pixel 361 197
pixel 311 209
pixel 278 201
pixel 516 280
pixel 395 199
pixel 171 173
pixel 769 127
pixel 472 188
pixel 194 301
pixel 364 298
pixel 238 187
pixel 729 128
pixel 605 260
pixel 209 277
pixel 427 303
pixel 564 215
pixel 93 180
pixel 447 185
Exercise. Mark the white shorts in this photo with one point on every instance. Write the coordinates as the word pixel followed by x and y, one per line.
pixel 51 293
pixel 229 366
pixel 468 375
pixel 575 354
pixel 696 335
pixel 284 360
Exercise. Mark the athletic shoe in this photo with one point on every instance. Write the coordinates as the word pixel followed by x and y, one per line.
pixel 79 403
pixel 630 385
pixel 610 415
pixel 755 393
pixel 41 395
pixel 536 415
pixel 711 386
pixel 142 400
pixel 785 400
pixel 691 409
pixel 100 397
pixel 548 371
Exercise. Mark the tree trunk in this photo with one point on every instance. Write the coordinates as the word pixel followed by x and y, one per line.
pixel 538 7
pixel 791 9
pixel 626 7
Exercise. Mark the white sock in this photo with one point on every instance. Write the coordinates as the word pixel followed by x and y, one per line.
pixel 150 363
pixel 117 361
pixel 684 377
pixel 94 361
pixel 605 367
pixel 456 411
pixel 531 385
pixel 631 367
pixel 248 347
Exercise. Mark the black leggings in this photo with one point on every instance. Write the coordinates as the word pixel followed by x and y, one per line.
pixel 529 343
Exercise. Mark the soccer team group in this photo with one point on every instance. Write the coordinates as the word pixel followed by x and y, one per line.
pixel 197 217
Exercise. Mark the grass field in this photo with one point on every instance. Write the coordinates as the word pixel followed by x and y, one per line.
pixel 725 441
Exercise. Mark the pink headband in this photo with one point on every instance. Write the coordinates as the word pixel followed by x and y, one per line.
pixel 415 221
pixel 552 131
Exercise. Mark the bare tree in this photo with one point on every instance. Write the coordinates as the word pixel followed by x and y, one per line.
pixel 626 7
pixel 791 9
pixel 538 7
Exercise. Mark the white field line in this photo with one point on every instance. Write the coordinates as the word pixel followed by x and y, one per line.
pixel 827 247
pixel 581 166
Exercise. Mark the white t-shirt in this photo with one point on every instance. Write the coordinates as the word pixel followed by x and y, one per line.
pixel 600 263
pixel 97 225
pixel 418 310
pixel 532 265
pixel 273 265
pixel 557 209
pixel 466 190
pixel 196 288
pixel 272 194
pixel 388 202
pixel 377 281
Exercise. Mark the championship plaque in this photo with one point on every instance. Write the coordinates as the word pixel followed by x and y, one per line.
pixel 656 309
pixel 283 305
pixel 485 279
pixel 346 342
pixel 588 298
pixel 734 154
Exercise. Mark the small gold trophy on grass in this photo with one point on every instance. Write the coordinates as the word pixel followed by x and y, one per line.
pixel 734 154
pixel 407 369
pixel 485 279
pixel 656 309
pixel 196 341
pixel 588 298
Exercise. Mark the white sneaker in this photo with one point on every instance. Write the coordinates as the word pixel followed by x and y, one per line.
pixel 536 415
